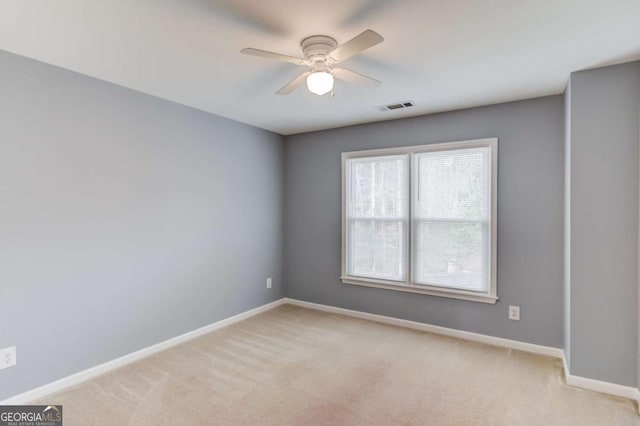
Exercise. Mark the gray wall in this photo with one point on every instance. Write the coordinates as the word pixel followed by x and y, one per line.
pixel 124 220
pixel 604 138
pixel 530 218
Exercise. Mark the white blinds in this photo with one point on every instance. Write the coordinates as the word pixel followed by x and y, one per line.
pixel 377 217
pixel 451 220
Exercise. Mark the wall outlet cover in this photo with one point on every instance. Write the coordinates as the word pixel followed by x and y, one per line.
pixel 7 357
pixel 268 282
pixel 514 313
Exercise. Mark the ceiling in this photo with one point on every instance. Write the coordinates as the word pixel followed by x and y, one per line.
pixel 441 54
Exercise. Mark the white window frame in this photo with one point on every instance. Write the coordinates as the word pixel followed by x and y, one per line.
pixel 488 296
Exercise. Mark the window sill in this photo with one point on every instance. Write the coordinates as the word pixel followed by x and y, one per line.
pixel 450 293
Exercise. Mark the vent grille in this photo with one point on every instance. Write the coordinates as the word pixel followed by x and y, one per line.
pixel 399 105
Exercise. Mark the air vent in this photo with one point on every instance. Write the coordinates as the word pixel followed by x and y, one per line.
pixel 399 105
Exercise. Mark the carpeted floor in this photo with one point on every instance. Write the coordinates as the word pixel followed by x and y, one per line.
pixel 294 366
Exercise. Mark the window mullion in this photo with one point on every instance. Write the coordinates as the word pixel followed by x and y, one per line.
pixel 410 220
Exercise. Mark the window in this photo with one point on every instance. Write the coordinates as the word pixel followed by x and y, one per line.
pixel 422 219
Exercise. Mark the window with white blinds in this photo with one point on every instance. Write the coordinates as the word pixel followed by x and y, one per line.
pixel 378 217
pixel 422 219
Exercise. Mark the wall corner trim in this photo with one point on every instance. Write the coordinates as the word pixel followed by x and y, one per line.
pixel 98 370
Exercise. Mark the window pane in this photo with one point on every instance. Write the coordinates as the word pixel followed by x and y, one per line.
pixel 453 184
pixel 377 230
pixel 378 249
pixel 378 187
pixel 451 221
pixel 451 254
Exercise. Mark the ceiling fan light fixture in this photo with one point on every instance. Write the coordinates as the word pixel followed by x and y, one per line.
pixel 320 82
pixel 321 53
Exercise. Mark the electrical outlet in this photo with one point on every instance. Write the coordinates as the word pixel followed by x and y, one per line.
pixel 7 357
pixel 514 313
pixel 268 282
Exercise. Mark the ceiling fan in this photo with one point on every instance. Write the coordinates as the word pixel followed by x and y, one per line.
pixel 321 53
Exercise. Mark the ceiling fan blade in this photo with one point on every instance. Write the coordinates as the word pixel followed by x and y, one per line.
pixel 355 78
pixel 293 84
pixel 273 55
pixel 362 41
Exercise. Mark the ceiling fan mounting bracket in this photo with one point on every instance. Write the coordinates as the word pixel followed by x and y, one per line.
pixel 316 48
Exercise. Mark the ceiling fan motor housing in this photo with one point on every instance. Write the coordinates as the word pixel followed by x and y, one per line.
pixel 316 49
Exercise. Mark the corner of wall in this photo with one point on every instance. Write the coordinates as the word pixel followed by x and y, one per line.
pixel 284 257
pixel 567 225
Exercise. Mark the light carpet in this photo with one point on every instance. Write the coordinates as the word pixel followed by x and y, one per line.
pixel 295 366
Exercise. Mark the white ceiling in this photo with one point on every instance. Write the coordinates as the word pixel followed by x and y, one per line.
pixel 441 54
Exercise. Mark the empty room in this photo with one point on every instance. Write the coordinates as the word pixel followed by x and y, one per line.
pixel 357 212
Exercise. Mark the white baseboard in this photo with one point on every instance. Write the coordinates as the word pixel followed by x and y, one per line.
pixel 108 366
pixel 609 388
pixel 575 381
pixel 436 329
pixel 603 387
pixel 600 386
pixel 82 376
